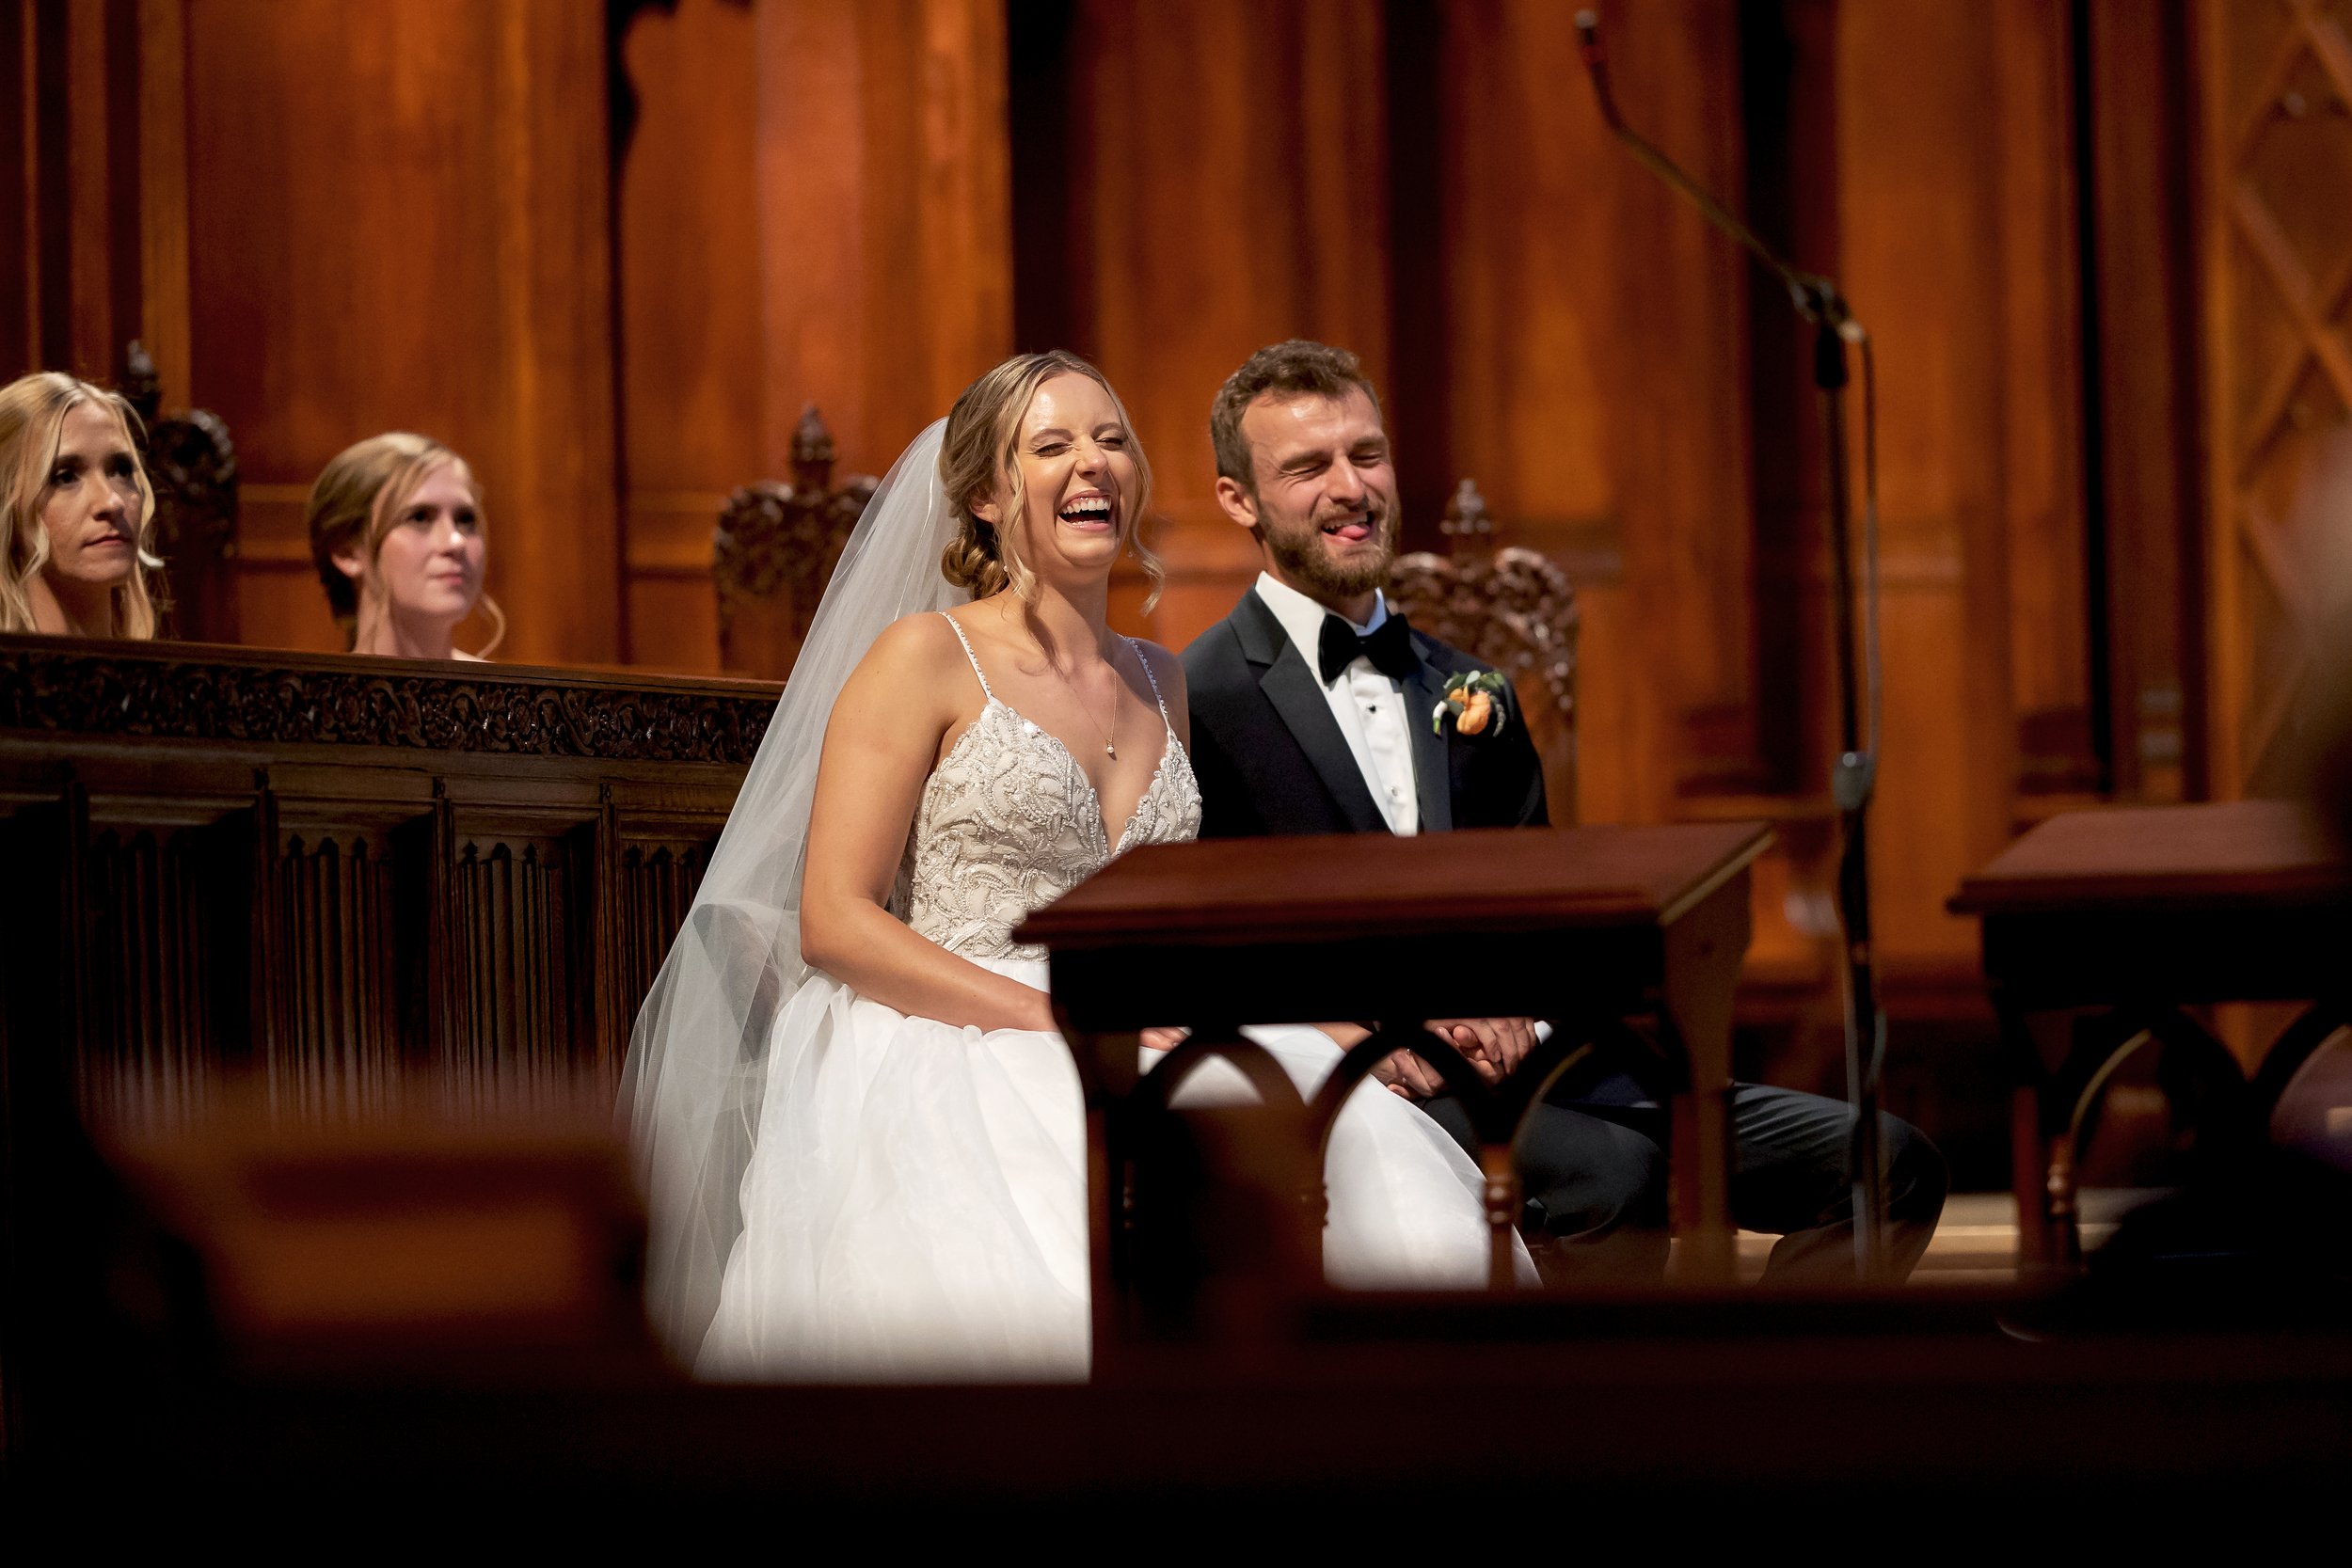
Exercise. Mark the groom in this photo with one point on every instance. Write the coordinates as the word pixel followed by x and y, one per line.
pixel 1303 702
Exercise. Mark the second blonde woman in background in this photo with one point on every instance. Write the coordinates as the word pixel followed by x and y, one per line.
pixel 76 512
pixel 396 530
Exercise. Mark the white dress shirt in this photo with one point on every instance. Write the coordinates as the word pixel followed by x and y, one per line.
pixel 1369 706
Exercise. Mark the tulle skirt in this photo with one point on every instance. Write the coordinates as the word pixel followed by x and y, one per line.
pixel 916 1205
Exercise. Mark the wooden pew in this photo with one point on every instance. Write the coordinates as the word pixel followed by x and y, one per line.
pixel 337 875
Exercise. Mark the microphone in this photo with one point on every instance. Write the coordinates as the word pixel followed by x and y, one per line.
pixel 1595 61
pixel 1815 299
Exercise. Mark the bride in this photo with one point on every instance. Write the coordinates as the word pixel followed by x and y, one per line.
pixel 862 1140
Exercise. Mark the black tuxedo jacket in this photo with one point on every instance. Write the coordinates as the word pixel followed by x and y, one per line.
pixel 1271 759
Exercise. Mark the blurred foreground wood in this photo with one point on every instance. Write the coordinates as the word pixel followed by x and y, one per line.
pixel 1951 1419
pixel 440 1244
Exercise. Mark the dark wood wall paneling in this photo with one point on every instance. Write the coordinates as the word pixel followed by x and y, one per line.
pixel 398 221
pixel 77 180
pixel 2134 75
pixel 813 205
pixel 2275 256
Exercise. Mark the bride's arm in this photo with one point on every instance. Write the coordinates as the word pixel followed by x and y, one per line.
pixel 880 746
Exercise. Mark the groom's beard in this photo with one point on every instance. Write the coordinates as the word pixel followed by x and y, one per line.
pixel 1308 565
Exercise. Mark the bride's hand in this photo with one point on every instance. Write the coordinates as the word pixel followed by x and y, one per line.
pixel 1164 1040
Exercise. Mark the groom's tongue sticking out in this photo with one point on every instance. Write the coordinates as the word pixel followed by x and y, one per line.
pixel 1319 493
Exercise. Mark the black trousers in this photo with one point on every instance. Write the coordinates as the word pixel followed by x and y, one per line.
pixel 1594 1169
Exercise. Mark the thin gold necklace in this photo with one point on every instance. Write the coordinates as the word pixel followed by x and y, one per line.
pixel 1110 737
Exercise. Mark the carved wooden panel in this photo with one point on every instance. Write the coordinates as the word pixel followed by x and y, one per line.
pixel 513 945
pixel 337 981
pixel 2278 258
pixel 160 974
pixel 191 466
pixel 776 549
pixel 354 914
pixel 653 892
pixel 1517 611
pixel 279 699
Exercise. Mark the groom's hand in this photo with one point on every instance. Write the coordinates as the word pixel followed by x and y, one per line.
pixel 1407 1076
pixel 1493 1046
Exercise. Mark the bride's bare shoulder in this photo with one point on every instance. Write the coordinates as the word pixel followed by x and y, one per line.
pixel 915 653
pixel 915 641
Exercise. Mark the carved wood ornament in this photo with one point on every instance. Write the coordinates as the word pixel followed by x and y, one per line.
pixel 284 699
pixel 776 549
pixel 192 466
pixel 1514 609
pixel 2279 388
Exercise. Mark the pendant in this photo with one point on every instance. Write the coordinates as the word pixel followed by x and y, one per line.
pixel 1111 751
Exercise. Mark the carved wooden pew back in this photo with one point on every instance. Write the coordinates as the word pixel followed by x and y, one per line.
pixel 341 875
pixel 191 466
pixel 775 551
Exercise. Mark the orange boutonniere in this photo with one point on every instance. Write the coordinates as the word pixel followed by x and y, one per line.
pixel 1473 701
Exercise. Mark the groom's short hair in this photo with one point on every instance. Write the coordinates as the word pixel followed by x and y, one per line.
pixel 1289 368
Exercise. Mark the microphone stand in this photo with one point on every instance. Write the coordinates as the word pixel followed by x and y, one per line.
pixel 1853 778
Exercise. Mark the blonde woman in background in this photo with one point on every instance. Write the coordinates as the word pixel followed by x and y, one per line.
pixel 78 513
pixel 396 530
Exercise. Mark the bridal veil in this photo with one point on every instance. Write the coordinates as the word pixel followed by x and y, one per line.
pixel 697 1060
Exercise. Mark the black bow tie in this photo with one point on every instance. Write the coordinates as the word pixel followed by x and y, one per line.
pixel 1388 645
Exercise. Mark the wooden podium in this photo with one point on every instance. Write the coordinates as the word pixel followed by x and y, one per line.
pixel 1587 926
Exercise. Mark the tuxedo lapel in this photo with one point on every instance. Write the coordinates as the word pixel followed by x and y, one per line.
pixel 1432 758
pixel 1291 687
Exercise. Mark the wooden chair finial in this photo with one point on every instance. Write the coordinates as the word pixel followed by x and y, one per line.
pixel 1466 521
pixel 775 548
pixel 812 451
pixel 192 468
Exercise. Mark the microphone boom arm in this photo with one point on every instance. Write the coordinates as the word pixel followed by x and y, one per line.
pixel 1854 772
pixel 1815 299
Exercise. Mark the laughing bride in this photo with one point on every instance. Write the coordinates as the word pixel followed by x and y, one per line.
pixel 864 1142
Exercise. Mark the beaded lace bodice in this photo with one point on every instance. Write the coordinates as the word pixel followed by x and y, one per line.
pixel 1009 822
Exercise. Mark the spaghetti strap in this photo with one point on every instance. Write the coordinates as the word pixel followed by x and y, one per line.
pixel 985 692
pixel 1144 659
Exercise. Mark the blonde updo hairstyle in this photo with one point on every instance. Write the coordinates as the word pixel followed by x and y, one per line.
pixel 354 503
pixel 32 426
pixel 978 464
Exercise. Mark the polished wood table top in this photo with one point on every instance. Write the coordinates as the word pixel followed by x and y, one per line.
pixel 2150 857
pixel 2230 902
pixel 1440 925
pixel 1282 888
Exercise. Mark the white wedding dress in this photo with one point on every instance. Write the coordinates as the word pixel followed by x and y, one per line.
pixel 914 1206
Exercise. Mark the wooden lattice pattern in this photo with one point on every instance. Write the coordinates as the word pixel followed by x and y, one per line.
pixel 2277 79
